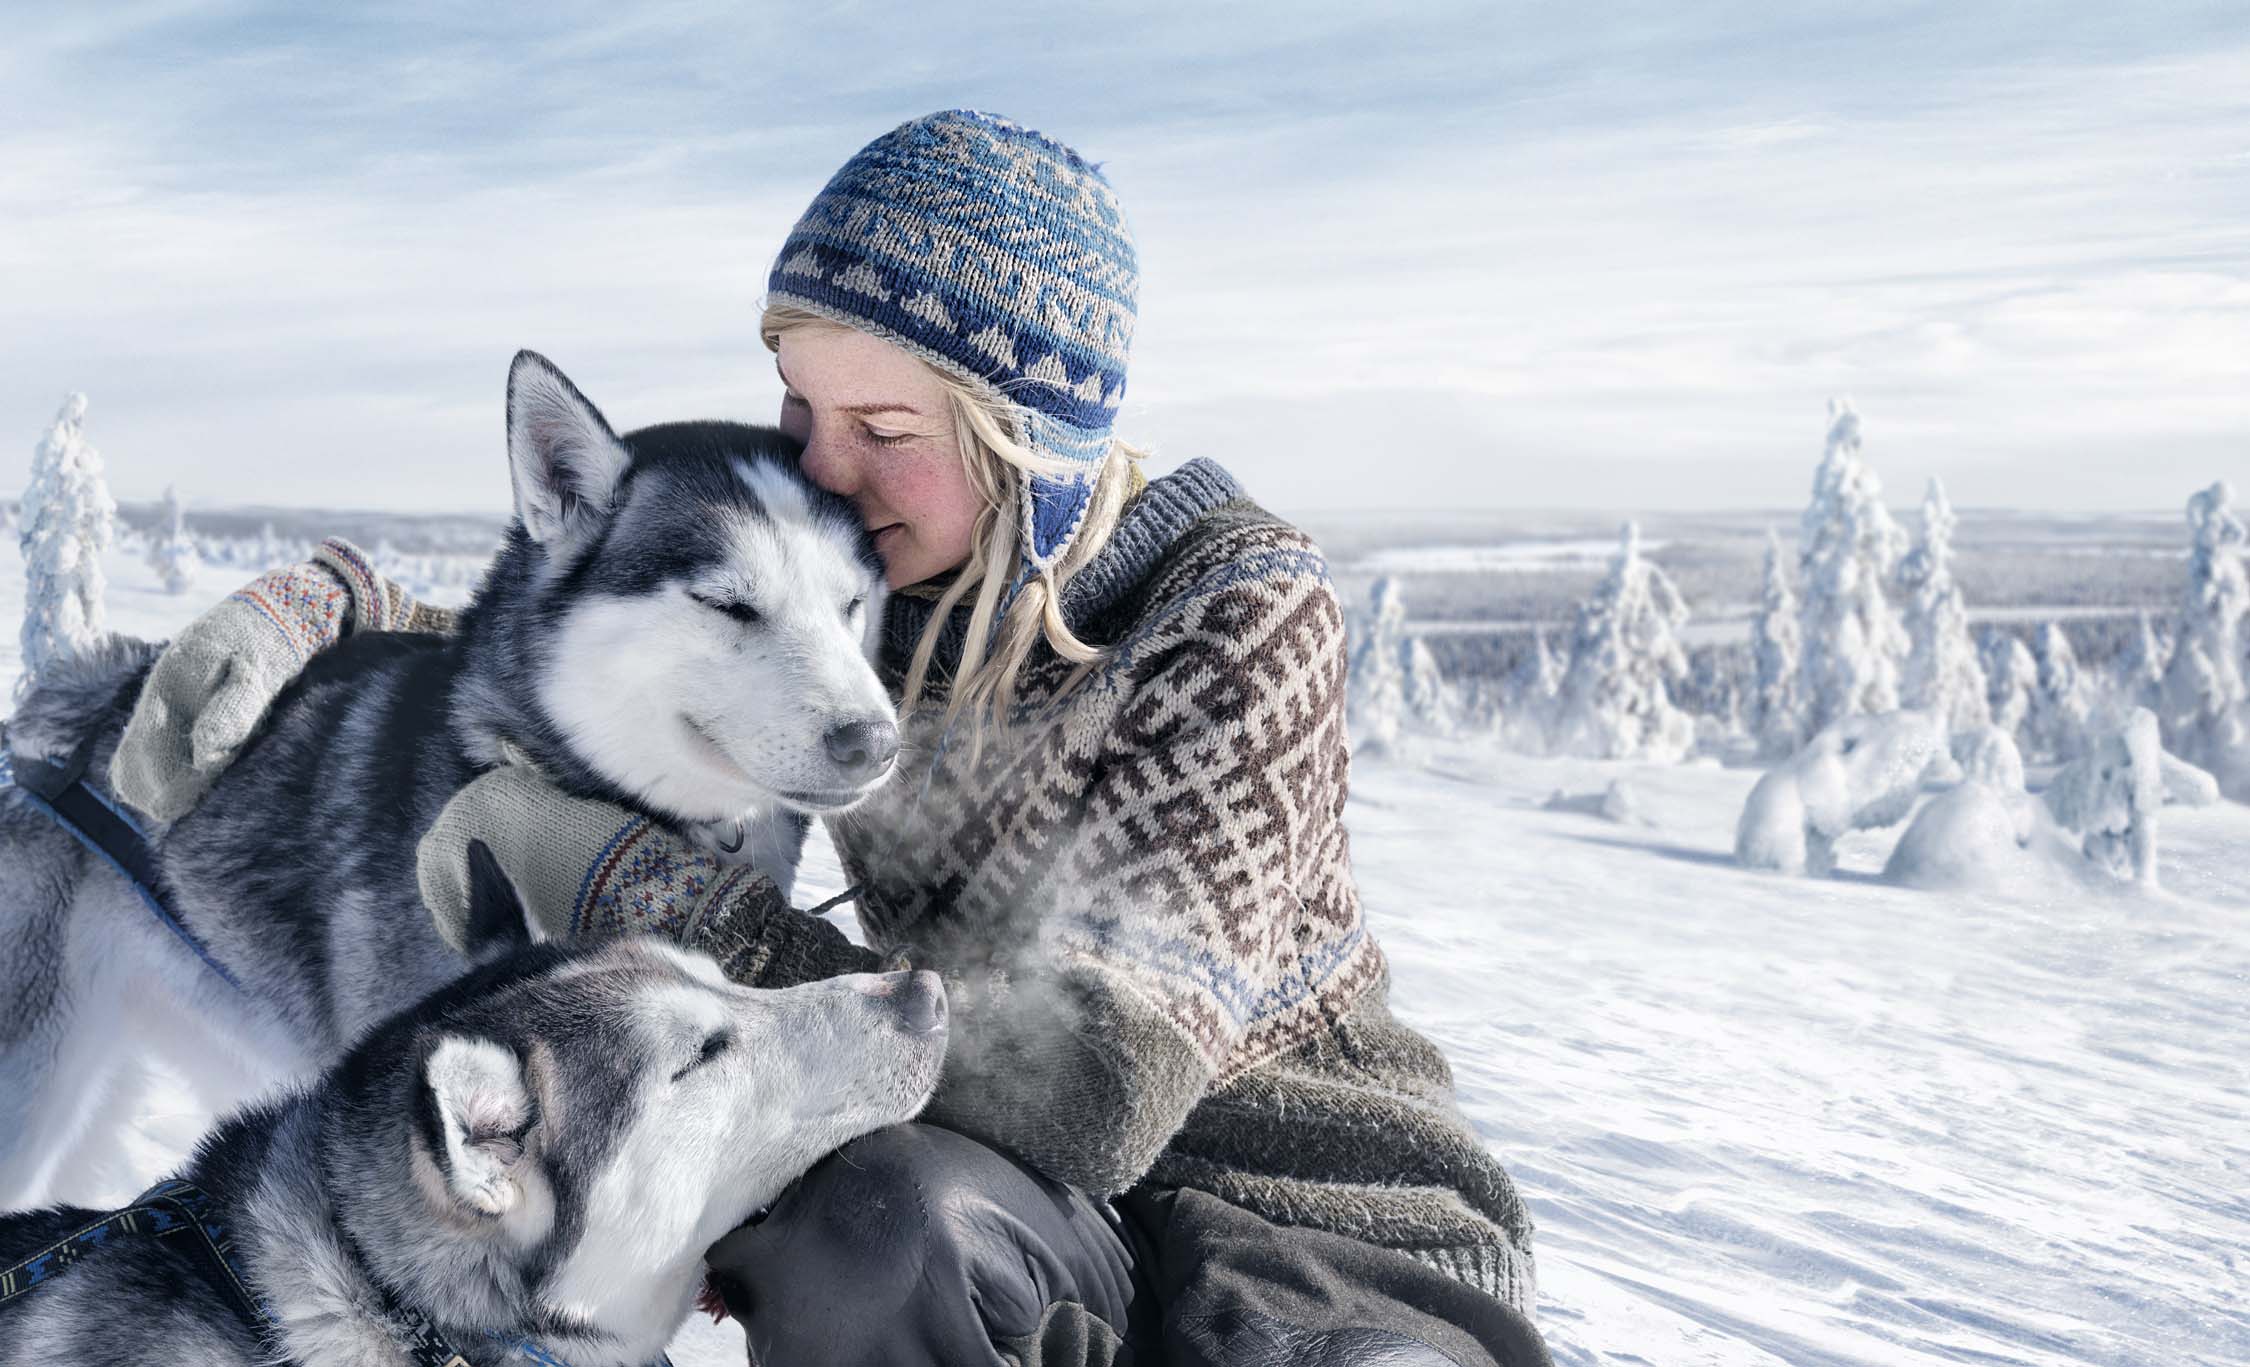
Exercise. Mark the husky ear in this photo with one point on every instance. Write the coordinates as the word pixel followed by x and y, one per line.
pixel 563 459
pixel 498 923
pixel 483 1114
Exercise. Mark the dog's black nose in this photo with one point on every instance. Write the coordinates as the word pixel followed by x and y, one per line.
pixel 918 996
pixel 863 749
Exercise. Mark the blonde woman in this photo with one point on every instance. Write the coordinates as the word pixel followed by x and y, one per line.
pixel 1178 1123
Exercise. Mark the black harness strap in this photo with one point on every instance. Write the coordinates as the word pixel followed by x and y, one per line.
pixel 105 828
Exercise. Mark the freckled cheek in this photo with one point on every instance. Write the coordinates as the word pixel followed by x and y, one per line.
pixel 924 488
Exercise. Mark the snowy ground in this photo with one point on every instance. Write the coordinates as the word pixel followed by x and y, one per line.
pixel 1760 1119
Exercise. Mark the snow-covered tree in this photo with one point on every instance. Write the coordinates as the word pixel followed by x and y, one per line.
pixel 1529 695
pixel 2204 697
pixel 1395 680
pixel 2137 675
pixel 171 551
pixel 2111 795
pixel 1848 548
pixel 1860 773
pixel 67 521
pixel 1941 674
pixel 1430 703
pixel 1625 657
pixel 1775 713
pixel 1377 709
pixel 2063 700
pixel 2011 676
pixel 1713 693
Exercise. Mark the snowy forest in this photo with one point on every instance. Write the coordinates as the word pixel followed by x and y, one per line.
pixel 1850 970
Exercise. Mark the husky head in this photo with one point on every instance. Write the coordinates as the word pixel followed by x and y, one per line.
pixel 691 622
pixel 545 1150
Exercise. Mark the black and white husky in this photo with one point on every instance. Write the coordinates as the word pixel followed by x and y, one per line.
pixel 525 1167
pixel 678 621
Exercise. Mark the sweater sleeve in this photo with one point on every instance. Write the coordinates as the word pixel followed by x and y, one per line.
pixel 1170 923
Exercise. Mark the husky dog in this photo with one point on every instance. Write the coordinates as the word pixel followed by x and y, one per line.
pixel 678 621
pixel 525 1167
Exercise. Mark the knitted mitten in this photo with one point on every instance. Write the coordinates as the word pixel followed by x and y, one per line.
pixel 211 686
pixel 587 869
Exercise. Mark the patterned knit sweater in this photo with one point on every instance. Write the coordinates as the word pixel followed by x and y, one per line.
pixel 1142 897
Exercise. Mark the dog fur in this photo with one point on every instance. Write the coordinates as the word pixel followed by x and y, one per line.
pixel 678 622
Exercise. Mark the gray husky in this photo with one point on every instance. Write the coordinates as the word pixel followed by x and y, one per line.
pixel 678 621
pixel 525 1167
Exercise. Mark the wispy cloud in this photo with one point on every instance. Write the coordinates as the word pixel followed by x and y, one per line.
pixel 1479 254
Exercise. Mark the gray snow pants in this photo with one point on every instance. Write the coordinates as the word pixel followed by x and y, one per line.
pixel 919 1247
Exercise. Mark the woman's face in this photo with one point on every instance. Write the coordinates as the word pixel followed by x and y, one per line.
pixel 877 429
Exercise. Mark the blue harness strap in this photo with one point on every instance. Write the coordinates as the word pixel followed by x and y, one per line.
pixel 107 829
pixel 168 1210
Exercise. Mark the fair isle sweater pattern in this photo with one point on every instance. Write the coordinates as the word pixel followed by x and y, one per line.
pixel 1175 824
pixel 1173 819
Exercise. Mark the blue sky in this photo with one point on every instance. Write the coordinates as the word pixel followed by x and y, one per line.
pixel 1448 256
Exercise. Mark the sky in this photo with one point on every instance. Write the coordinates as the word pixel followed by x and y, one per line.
pixel 1457 257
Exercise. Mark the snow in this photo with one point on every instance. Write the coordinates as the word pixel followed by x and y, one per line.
pixel 1759 1119
pixel 1519 556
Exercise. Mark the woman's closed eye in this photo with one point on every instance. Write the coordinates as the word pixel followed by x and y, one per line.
pixel 887 437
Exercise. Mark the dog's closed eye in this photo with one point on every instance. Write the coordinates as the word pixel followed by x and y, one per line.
pixel 714 1044
pixel 732 607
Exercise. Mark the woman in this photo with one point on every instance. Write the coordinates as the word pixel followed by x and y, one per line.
pixel 1178 1122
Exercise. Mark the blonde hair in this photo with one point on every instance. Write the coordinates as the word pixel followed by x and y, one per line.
pixel 1009 615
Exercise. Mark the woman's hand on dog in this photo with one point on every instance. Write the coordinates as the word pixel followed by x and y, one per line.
pixel 589 869
pixel 212 685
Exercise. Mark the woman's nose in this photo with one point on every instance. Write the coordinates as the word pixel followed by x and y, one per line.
pixel 829 467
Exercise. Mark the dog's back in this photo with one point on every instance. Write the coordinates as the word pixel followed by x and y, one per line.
pixel 297 872
pixel 298 867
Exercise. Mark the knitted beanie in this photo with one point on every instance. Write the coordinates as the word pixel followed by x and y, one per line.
pixel 999 256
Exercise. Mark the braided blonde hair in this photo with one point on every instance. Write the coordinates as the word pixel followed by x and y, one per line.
pixel 1004 626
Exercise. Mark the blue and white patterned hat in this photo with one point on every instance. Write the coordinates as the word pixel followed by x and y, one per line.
pixel 998 255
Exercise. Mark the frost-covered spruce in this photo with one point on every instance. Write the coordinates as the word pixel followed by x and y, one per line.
pixel 2063 700
pixel 1625 658
pixel 67 520
pixel 1713 693
pixel 2137 678
pixel 1775 715
pixel 1941 673
pixel 2011 677
pixel 1860 773
pixel 1377 704
pixel 171 551
pixel 1430 704
pixel 1530 694
pixel 1848 547
pixel 2111 794
pixel 2204 698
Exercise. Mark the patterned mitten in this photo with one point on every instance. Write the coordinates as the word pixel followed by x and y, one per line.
pixel 590 870
pixel 211 686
